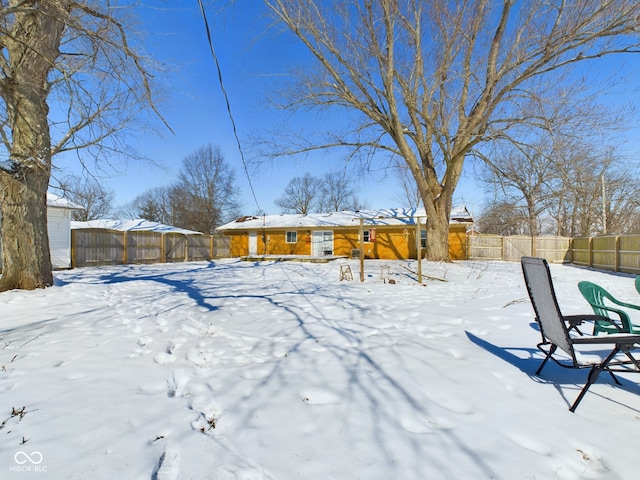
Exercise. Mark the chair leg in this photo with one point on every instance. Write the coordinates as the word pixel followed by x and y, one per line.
pixel 593 376
pixel 546 359
pixel 615 379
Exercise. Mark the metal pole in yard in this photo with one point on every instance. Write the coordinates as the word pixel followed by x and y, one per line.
pixel 419 249
pixel 361 233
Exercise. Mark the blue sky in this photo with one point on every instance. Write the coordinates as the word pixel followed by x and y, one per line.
pixel 254 63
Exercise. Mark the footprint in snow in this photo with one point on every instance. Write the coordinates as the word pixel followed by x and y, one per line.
pixel 164 358
pixel 169 463
pixel 176 383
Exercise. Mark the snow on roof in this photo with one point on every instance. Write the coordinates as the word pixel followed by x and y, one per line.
pixel 394 216
pixel 56 201
pixel 138 224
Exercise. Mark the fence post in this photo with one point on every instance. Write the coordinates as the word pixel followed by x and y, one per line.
pixel 591 251
pixel 571 250
pixel 163 247
pixel 186 248
pixel 617 254
pixel 534 250
pixel 125 242
pixel 73 248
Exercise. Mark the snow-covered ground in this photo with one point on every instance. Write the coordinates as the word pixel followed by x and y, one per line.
pixel 251 371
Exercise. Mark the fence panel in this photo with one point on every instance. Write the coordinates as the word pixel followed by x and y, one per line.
pixel 629 254
pixel 199 248
pixel 484 247
pixel 554 249
pixel 174 247
pixel 581 251
pixel 603 252
pixel 515 248
pixel 144 247
pixel 221 246
pixel 94 247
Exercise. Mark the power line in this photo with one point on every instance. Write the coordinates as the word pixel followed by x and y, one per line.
pixel 226 98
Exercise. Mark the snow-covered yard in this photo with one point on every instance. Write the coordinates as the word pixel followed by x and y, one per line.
pixel 251 371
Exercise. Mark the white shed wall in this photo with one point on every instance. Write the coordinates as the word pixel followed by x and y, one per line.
pixel 59 236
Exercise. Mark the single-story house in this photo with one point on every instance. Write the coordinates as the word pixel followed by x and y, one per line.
pixel 58 226
pixel 385 234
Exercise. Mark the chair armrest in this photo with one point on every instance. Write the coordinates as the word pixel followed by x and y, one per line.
pixel 575 320
pixel 613 338
pixel 626 305
pixel 624 317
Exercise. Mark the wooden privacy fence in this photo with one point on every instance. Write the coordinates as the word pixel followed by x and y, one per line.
pixel 95 247
pixel 620 253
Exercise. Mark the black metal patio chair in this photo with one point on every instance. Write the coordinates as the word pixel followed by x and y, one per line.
pixel 562 340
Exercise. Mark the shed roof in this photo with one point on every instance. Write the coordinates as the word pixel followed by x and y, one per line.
pixel 138 224
pixel 56 201
pixel 382 217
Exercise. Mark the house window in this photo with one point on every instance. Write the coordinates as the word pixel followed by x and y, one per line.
pixel 423 239
pixel 367 236
pixel 292 237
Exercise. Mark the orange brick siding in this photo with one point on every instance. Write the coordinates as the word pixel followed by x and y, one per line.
pixel 390 243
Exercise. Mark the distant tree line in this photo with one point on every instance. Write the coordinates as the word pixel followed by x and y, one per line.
pixel 567 188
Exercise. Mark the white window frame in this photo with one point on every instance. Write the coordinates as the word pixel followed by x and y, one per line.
pixel 291 234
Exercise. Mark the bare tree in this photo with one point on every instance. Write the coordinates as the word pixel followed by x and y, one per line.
pixel 87 192
pixel 155 205
pixel 503 218
pixel 301 195
pixel 524 177
pixel 434 81
pixel 599 194
pixel 78 57
pixel 205 195
pixel 557 188
pixel 337 193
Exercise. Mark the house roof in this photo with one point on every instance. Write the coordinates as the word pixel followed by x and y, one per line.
pixel 56 201
pixel 138 224
pixel 382 217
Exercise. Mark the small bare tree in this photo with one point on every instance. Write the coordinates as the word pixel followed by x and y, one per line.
pixel 87 192
pixel 205 195
pixel 337 193
pixel 301 195
pixel 154 205
pixel 433 81
pixel 70 78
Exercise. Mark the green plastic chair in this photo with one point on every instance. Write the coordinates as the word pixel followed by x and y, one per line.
pixel 638 283
pixel 596 296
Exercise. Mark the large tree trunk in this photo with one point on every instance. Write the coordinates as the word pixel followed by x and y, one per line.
pixel 25 243
pixel 32 49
